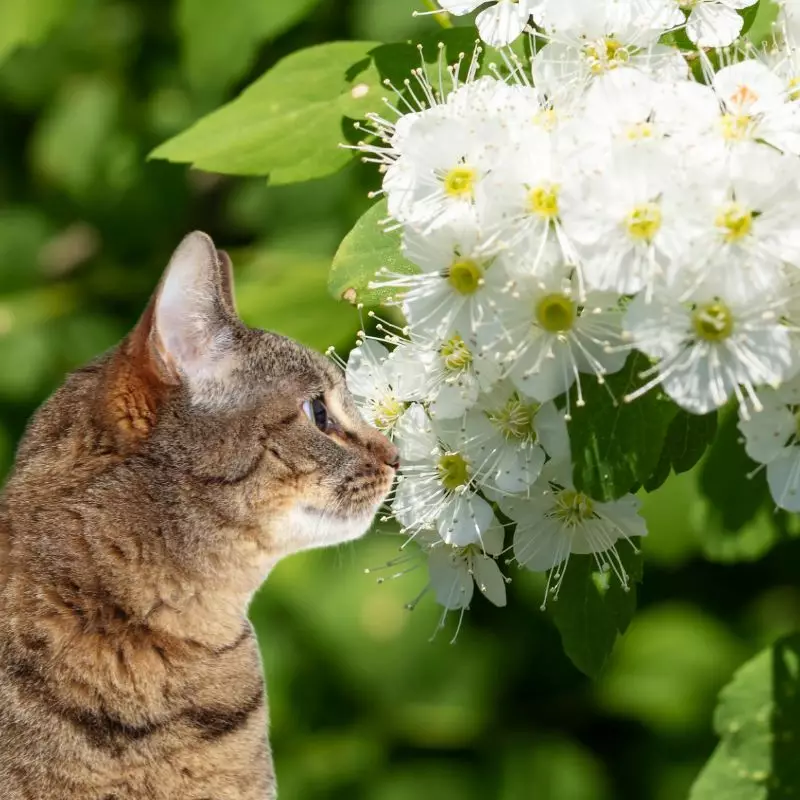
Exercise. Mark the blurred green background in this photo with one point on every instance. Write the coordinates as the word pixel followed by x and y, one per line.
pixel 363 704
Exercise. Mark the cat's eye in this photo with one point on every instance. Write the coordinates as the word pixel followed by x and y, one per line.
pixel 316 411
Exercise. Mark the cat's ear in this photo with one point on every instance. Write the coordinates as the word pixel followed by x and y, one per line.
pixel 186 337
pixel 193 317
pixel 226 277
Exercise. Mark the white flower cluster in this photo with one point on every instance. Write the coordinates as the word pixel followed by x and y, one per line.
pixel 619 194
pixel 708 23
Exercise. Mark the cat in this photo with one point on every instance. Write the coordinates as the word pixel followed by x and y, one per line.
pixel 151 495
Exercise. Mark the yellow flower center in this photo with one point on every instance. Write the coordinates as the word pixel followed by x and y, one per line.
pixel 640 130
pixel 644 222
pixel 573 507
pixel 556 313
pixel 736 127
pixel 605 54
pixel 713 322
pixel 465 276
pixel 453 471
pixel 515 419
pixel 460 182
pixel 456 354
pixel 793 88
pixel 543 201
pixel 386 412
pixel 735 221
pixel 546 119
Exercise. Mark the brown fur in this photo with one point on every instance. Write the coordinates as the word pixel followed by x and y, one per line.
pixel 151 495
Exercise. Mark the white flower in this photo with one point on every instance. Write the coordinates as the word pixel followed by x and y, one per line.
pixel 757 105
pixel 456 284
pixel 454 571
pixel 383 384
pixel 547 334
pixel 515 434
pixel 627 224
pixel 714 23
pixel 525 210
pixel 456 374
pixel 627 113
pixel 557 521
pixel 440 489
pixel 710 346
pixel 772 437
pixel 506 436
pixel 588 38
pixel 746 219
pixel 437 177
pixel 500 23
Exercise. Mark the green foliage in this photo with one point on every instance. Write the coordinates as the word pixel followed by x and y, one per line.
pixel 291 122
pixel 764 15
pixel 617 445
pixel 749 15
pixel 288 124
pixel 593 608
pixel 365 250
pixel 730 479
pixel 758 721
pixel 284 291
pixel 25 23
pixel 220 40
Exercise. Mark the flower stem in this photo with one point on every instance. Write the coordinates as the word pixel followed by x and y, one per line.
pixel 440 15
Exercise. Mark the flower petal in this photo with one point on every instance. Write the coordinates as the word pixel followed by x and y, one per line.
pixel 450 579
pixel 489 579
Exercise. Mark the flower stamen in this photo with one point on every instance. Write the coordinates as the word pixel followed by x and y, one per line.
pixel 543 202
pixel 453 471
pixel 465 276
pixel 457 356
pixel 713 322
pixel 736 222
pixel 556 313
pixel 459 182
pixel 644 222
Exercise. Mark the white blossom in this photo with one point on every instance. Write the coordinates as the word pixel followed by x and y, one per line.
pixel 557 521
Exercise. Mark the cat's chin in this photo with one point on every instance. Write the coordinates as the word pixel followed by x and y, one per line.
pixel 307 526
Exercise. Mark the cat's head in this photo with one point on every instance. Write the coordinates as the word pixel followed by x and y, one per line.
pixel 249 424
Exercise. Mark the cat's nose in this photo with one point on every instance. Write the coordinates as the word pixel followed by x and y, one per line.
pixel 391 456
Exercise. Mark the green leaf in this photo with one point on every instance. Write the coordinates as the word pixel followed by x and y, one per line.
pixel 25 22
pixel 615 444
pixel 397 60
pixel 288 124
pixel 724 479
pixel 220 40
pixel 758 721
pixel 593 608
pixel 749 15
pixel 688 438
pixel 661 472
pixel 365 250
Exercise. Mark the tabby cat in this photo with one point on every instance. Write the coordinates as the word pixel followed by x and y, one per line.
pixel 150 497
